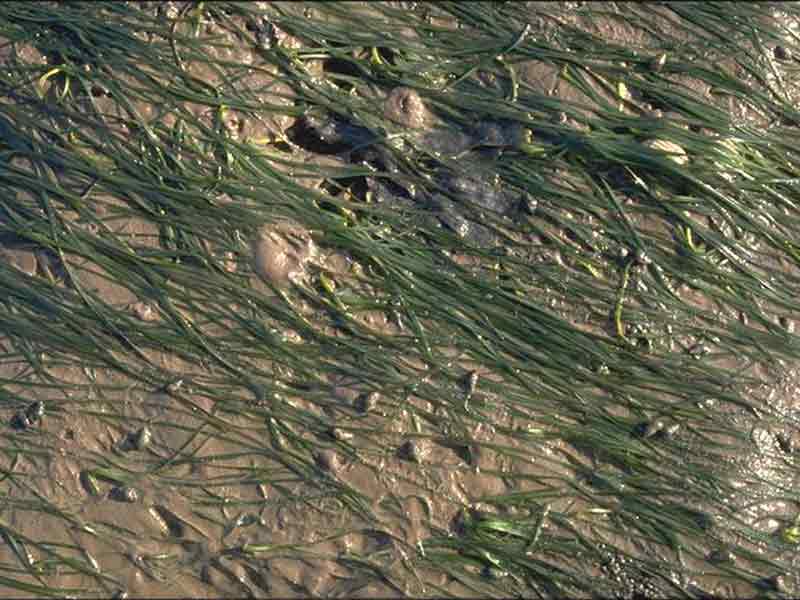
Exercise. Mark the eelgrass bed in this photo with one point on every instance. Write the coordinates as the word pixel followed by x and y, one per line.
pixel 388 299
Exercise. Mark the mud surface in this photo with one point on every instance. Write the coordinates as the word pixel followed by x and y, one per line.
pixel 200 486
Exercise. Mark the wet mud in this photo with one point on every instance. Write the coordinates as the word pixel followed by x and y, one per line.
pixel 191 472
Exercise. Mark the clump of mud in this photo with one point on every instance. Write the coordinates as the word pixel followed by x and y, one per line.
pixel 404 106
pixel 281 252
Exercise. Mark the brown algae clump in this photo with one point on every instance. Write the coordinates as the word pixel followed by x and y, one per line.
pixel 281 252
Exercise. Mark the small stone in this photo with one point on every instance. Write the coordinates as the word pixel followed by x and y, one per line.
pixel 787 324
pixel 721 556
pixel 414 450
pixel 658 428
pixel 329 461
pixel 174 387
pixel 775 583
pixel 652 428
pixel 27 418
pixel 123 493
pixel 670 430
pixel 339 434
pixel 785 442
pixel 653 113
pixel 21 422
pixel 782 53
pixel 705 521
pixel 136 440
pixel 698 350
pixel 144 312
pixel 35 411
pixel 490 572
pixel 142 438
pixel 367 402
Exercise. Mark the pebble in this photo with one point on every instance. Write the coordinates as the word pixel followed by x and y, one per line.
pixel 367 402
pixel 782 53
pixel 124 494
pixel 414 450
pixel 144 312
pixel 329 461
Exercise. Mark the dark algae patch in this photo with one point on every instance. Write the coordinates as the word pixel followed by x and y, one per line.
pixel 468 300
